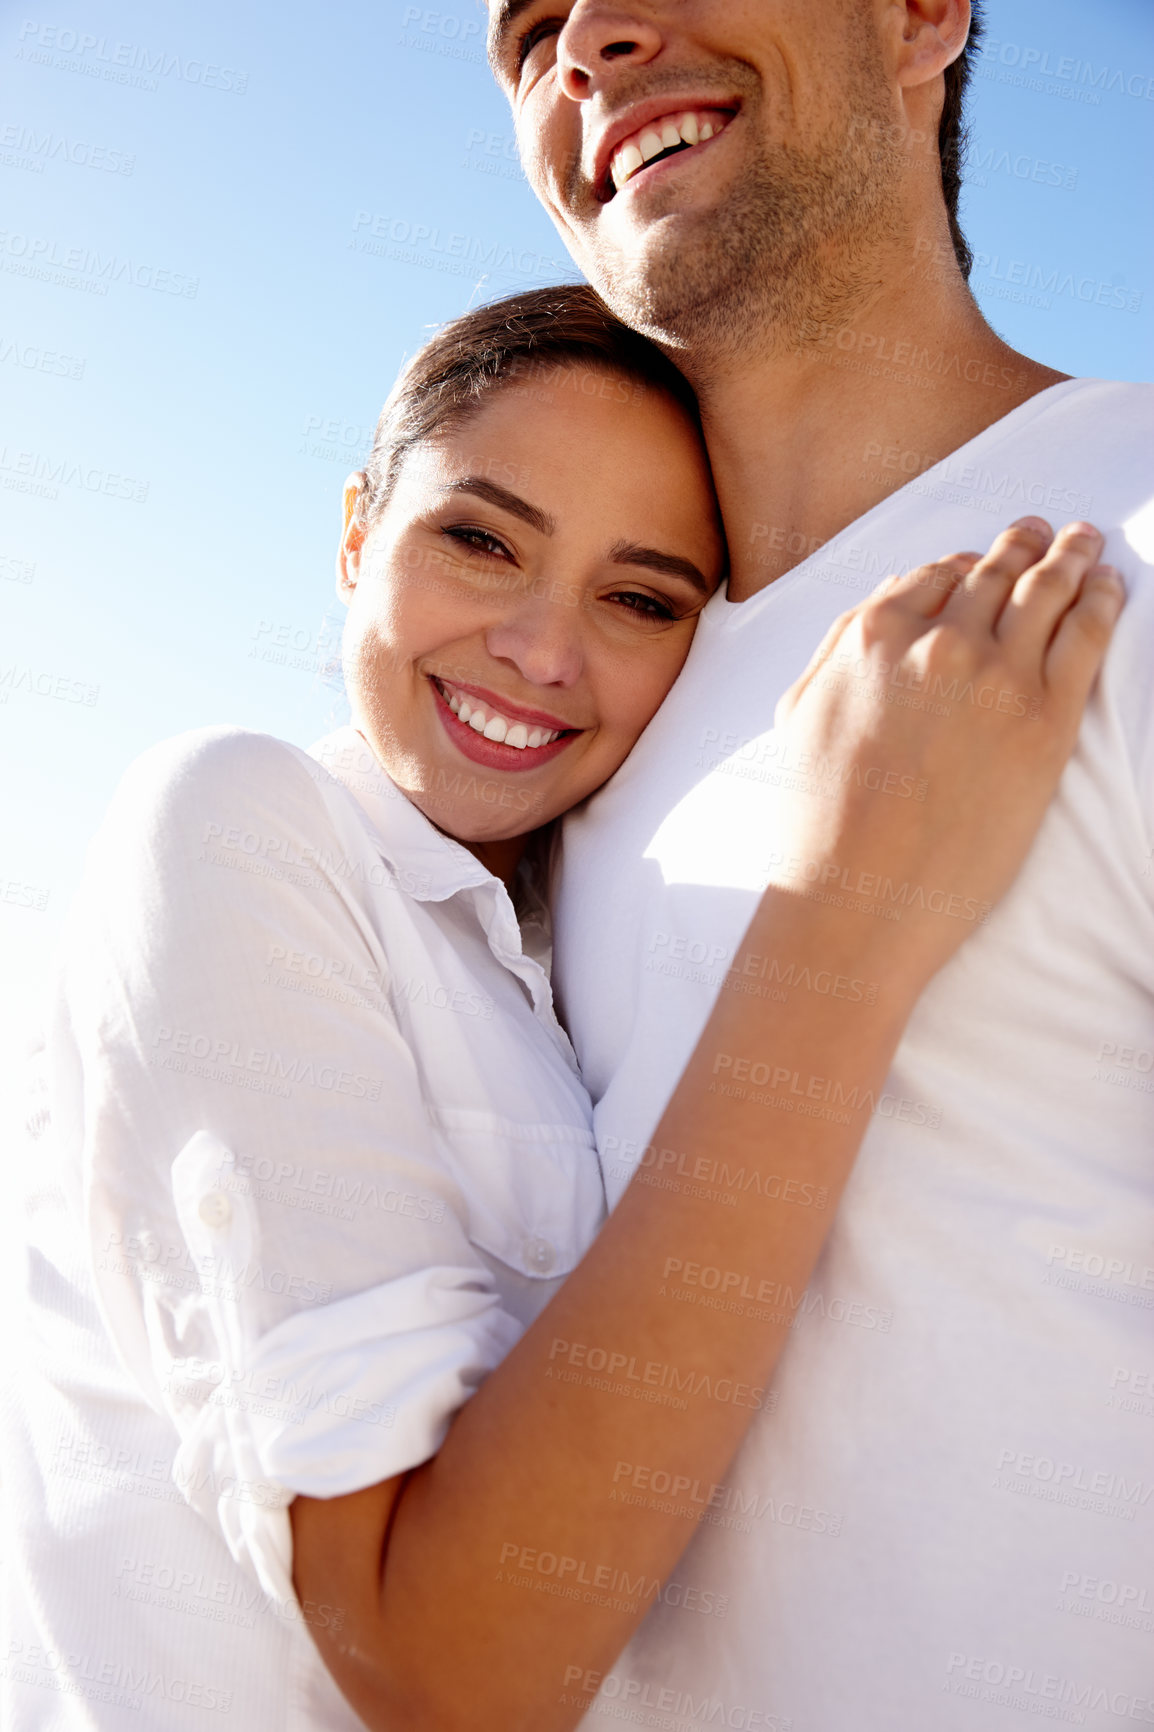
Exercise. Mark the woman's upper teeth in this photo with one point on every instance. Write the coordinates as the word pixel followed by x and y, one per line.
pixel 692 126
pixel 495 726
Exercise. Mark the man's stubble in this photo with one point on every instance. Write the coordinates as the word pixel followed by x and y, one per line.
pixel 794 241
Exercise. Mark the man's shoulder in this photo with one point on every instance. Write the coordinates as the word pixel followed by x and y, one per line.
pixel 1111 407
pixel 1082 448
pixel 1110 430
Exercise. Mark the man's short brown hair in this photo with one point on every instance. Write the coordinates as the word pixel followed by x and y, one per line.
pixel 952 133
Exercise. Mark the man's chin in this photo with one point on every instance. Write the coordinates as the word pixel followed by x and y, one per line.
pixel 662 280
pixel 653 273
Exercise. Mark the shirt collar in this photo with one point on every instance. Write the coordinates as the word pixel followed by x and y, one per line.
pixel 431 867
pixel 428 865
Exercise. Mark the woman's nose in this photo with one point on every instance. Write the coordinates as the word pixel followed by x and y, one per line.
pixel 598 38
pixel 541 639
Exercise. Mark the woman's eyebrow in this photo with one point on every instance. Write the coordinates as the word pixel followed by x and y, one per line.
pixel 506 501
pixel 670 564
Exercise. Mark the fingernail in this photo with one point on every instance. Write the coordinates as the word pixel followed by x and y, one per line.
pixel 1037 524
pixel 1082 529
pixel 1109 574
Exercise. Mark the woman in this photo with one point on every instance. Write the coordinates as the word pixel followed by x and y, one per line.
pixel 307 1402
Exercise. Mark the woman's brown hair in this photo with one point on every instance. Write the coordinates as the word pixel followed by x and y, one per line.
pixel 523 341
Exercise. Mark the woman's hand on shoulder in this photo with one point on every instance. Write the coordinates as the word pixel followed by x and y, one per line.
pixel 932 726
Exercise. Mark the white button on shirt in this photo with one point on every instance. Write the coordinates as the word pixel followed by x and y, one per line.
pixel 317 1153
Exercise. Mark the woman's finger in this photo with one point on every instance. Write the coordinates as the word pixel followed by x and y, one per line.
pixel 1047 589
pixel 923 592
pixel 1083 636
pixel 826 648
pixel 979 599
pixel 907 599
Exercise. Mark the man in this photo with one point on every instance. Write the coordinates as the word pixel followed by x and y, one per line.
pixel 947 1519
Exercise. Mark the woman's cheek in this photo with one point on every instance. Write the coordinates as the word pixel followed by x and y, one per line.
pixel 653 680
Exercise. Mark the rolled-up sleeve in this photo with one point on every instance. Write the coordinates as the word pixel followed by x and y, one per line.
pixel 278 1248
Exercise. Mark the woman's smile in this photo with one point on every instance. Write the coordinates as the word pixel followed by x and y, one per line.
pixel 495 731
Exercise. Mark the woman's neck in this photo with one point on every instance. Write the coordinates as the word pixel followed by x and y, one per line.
pixel 501 856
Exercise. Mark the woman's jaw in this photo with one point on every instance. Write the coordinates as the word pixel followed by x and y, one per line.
pixel 526 598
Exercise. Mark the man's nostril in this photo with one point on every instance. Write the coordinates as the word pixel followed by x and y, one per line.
pixel 614 50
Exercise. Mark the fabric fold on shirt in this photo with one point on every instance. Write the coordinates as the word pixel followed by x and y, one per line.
pixel 315 1154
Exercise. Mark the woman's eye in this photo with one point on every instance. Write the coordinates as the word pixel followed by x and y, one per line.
pixel 479 540
pixel 639 602
pixel 536 33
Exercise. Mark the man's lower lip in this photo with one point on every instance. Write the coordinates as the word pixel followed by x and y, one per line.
pixel 495 754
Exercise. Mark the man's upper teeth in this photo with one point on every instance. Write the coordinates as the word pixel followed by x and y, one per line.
pixel 494 726
pixel 692 127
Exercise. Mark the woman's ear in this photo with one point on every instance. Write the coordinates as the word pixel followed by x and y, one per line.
pixel 352 537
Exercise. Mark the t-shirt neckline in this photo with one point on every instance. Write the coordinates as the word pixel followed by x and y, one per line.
pixel 722 613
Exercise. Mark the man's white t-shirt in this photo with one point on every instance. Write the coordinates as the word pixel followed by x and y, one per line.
pixel 944 1516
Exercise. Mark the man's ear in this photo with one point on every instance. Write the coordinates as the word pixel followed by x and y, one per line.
pixel 352 537
pixel 933 34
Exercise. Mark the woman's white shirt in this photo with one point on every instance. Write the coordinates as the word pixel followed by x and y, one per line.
pixel 314 1152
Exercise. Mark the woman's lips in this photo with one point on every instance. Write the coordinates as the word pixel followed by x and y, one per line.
pixel 495 754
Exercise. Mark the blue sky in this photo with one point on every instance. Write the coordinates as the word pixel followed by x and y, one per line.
pixel 210 269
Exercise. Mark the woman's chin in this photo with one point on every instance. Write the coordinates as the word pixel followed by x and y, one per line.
pixel 508 811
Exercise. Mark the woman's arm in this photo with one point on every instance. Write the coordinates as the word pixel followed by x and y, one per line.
pixel 439 1571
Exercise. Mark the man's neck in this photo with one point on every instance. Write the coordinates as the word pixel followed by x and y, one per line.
pixel 807 435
